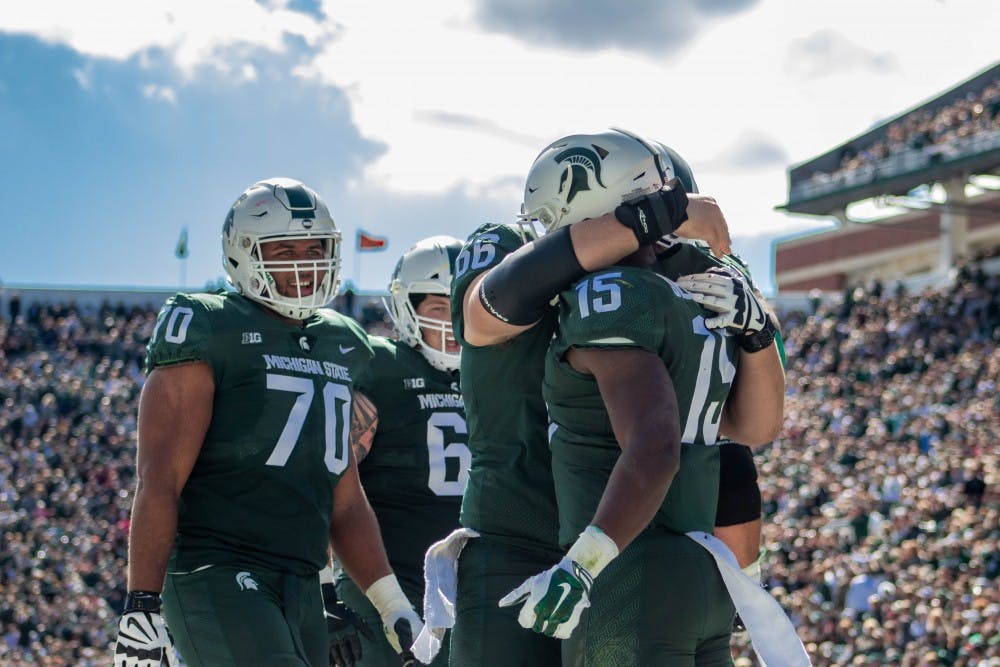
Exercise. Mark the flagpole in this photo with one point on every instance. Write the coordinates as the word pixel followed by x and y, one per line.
pixel 181 253
pixel 357 267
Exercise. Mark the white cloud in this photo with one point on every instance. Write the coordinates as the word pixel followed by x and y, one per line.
pixel 82 78
pixel 161 93
pixel 194 33
pixel 456 107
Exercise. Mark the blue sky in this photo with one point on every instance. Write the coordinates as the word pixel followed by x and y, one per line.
pixel 121 122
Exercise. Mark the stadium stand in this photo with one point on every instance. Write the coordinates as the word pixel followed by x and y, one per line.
pixel 913 195
pixel 881 509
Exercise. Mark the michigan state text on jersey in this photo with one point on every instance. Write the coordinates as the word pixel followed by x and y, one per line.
pixel 282 404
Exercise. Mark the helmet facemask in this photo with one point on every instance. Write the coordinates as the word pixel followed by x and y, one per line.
pixel 275 211
pixel 317 277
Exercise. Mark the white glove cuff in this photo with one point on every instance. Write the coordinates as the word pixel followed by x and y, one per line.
pixel 593 550
pixel 387 596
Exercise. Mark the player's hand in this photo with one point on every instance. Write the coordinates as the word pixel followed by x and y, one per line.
pixel 400 622
pixel 553 600
pixel 727 293
pixel 706 222
pixel 406 628
pixel 401 629
pixel 343 627
pixel 144 641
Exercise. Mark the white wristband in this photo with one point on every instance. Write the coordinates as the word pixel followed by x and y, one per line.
pixel 326 574
pixel 593 550
pixel 387 596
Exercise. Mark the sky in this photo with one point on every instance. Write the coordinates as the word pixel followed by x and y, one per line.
pixel 123 122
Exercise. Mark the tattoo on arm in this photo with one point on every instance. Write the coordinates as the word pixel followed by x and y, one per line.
pixel 364 423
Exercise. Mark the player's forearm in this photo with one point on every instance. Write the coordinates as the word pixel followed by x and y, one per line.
pixel 637 486
pixel 151 537
pixel 482 328
pixel 357 544
pixel 600 242
pixel 754 411
pixel 513 296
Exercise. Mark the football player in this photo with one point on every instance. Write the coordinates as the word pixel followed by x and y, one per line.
pixel 245 471
pixel 636 370
pixel 738 515
pixel 503 319
pixel 409 430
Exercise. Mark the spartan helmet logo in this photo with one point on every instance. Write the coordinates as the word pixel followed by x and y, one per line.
pixel 246 581
pixel 579 163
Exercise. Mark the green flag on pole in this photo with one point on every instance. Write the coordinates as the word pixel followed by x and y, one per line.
pixel 181 251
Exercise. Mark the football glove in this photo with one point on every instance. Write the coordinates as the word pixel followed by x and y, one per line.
pixel 400 622
pixel 726 292
pixel 143 637
pixel 343 627
pixel 554 600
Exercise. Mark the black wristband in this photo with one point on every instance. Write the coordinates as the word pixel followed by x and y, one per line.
pixel 518 289
pixel 142 601
pixel 759 340
pixel 653 216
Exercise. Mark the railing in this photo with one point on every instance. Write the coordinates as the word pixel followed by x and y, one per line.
pixel 898 164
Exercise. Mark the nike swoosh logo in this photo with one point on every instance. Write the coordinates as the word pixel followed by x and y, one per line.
pixel 345 350
pixel 134 622
pixel 566 591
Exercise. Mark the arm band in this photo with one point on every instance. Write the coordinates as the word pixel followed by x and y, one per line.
pixel 142 601
pixel 653 216
pixel 518 289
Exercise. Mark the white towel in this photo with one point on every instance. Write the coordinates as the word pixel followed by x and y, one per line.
pixel 440 590
pixel 772 633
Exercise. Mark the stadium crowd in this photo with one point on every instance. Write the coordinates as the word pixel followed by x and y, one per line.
pixel 931 132
pixel 880 504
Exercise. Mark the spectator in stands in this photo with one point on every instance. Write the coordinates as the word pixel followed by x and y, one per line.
pixel 66 482
pixel 934 133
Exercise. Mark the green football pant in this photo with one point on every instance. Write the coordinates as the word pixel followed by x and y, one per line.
pixel 486 635
pixel 226 616
pixel 662 602
pixel 380 652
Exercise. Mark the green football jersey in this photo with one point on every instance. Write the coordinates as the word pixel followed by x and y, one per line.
pixel 635 307
pixel 418 466
pixel 261 490
pixel 681 257
pixel 510 493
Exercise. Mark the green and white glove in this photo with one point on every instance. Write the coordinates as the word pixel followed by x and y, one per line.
pixel 143 637
pixel 726 292
pixel 400 622
pixel 555 599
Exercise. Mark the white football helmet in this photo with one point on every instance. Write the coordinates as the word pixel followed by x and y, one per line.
pixel 674 166
pixel 273 210
pixel 426 268
pixel 587 175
